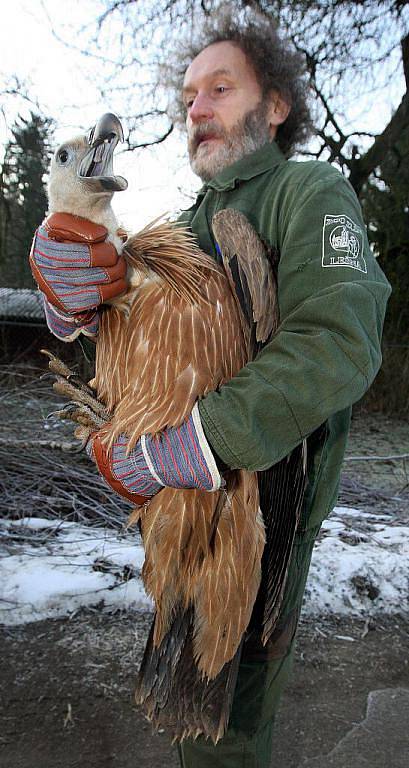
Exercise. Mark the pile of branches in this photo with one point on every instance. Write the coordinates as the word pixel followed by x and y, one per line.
pixel 42 474
pixel 354 493
pixel 47 483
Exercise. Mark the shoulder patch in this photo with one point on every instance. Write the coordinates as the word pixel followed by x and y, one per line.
pixel 342 243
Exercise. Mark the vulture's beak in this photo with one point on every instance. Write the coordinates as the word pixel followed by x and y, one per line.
pixel 97 165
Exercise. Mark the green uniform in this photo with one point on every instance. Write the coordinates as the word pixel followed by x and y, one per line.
pixel 332 297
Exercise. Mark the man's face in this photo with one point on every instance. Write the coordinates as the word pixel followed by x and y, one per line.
pixel 226 116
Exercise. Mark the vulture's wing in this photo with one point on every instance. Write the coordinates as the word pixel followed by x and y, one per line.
pixel 282 489
pixel 250 268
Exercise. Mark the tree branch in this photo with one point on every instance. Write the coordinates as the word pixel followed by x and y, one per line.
pixel 405 58
pixel 131 146
pixel 361 168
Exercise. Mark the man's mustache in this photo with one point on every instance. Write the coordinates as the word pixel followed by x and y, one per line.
pixel 204 131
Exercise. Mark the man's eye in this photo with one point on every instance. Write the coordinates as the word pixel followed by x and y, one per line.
pixel 63 156
pixel 221 89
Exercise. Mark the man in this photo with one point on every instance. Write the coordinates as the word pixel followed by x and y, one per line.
pixel 243 94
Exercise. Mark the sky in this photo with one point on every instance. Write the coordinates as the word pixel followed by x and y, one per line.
pixel 66 85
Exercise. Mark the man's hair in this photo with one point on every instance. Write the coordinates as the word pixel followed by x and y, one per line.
pixel 277 65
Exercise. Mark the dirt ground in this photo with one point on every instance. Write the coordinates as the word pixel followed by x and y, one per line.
pixel 66 685
pixel 67 691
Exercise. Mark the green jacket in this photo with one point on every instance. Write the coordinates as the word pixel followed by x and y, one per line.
pixel 332 297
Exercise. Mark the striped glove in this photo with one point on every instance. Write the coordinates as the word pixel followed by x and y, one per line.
pixel 68 328
pixel 179 457
pixel 77 269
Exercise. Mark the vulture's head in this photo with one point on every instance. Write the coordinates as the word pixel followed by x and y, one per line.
pixel 82 179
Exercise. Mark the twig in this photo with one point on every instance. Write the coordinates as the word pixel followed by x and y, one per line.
pixel 394 457
pixel 65 445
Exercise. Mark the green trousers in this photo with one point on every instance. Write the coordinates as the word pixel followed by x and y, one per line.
pixel 248 740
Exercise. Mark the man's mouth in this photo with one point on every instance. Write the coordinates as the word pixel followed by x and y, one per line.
pixel 205 139
pixel 204 134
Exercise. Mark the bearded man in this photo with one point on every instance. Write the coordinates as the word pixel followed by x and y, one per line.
pixel 243 97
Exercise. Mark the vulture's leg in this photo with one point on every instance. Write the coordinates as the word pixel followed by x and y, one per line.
pixel 84 408
pixel 59 368
pixel 80 414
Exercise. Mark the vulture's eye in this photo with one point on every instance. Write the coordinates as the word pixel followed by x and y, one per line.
pixel 62 156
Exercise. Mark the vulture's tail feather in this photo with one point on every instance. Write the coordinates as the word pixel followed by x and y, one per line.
pixel 172 692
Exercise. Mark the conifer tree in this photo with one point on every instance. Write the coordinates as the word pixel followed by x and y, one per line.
pixel 23 199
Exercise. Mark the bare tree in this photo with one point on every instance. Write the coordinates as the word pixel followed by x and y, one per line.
pixel 354 50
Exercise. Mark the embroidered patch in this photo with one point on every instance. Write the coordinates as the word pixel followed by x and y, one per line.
pixel 342 243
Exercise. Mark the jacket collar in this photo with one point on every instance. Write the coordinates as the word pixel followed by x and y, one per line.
pixel 263 159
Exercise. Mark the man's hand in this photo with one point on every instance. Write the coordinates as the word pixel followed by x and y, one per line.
pixel 76 269
pixel 178 457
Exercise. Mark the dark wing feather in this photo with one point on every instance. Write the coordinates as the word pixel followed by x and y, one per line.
pixel 251 273
pixel 249 269
pixel 282 489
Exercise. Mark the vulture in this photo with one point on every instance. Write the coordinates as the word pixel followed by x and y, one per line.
pixel 185 326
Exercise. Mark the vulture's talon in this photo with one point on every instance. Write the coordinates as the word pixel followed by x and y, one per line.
pixel 56 365
pixel 76 381
pixel 56 414
pixel 64 413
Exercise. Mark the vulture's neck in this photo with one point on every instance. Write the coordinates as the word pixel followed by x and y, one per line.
pixel 96 208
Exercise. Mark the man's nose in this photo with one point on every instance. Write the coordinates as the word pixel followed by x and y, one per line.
pixel 201 109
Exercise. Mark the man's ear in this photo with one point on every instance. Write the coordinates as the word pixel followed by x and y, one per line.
pixel 277 112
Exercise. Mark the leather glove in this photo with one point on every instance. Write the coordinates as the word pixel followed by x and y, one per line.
pixel 77 269
pixel 178 457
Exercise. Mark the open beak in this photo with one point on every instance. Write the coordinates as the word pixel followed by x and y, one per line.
pixel 97 165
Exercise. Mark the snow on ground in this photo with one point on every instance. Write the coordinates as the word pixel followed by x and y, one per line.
pixel 360 566
pixel 51 568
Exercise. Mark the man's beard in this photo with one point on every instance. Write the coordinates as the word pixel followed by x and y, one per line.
pixel 247 135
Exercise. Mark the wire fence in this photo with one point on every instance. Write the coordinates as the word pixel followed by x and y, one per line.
pixel 21 306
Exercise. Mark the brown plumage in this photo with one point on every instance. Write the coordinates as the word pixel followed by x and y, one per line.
pixel 251 270
pixel 251 276
pixel 175 336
